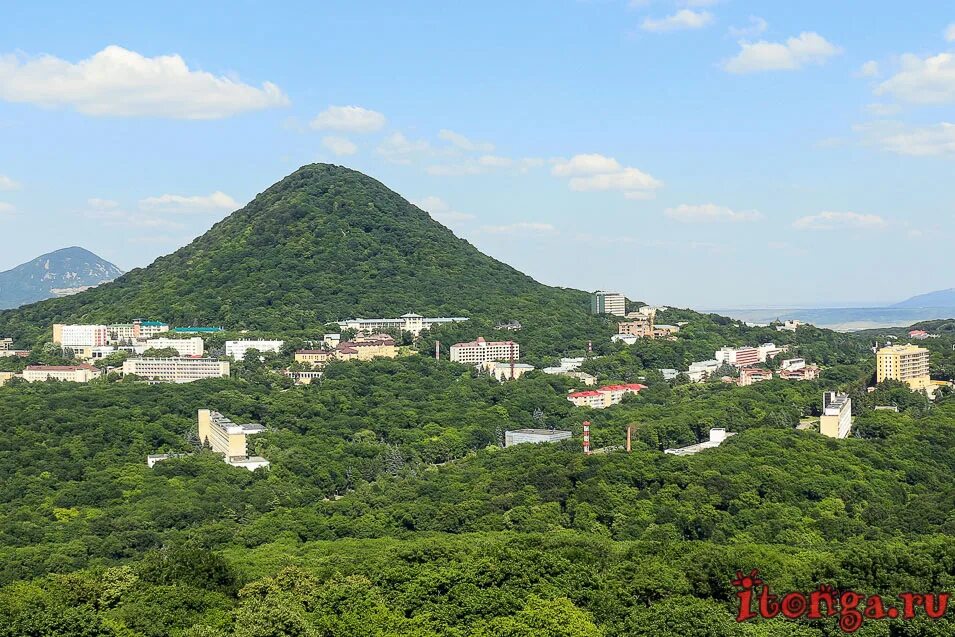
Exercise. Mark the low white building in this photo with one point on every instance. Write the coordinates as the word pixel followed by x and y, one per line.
pixel 717 436
pixel 701 370
pixel 411 322
pixel 505 371
pixel 238 349
pixel 67 373
pixel 792 364
pixel 176 370
pixel 534 436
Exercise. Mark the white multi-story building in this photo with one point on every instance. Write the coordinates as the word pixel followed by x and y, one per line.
pixel 176 370
pixel 70 373
pixel 740 357
pixel 237 349
pixel 481 351
pixel 604 302
pixel 80 336
pixel 792 364
pixel 768 351
pixel 6 344
pixel 836 419
pixel 184 346
pixel 413 323
pixel 226 437
pixel 717 436
pixel 701 370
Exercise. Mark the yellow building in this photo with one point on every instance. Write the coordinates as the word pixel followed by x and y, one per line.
pixel 906 363
pixel 314 357
pixel 225 437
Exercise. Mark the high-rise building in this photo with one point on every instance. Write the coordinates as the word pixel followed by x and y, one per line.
pixel 906 363
pixel 80 336
pixel 603 302
pixel 836 419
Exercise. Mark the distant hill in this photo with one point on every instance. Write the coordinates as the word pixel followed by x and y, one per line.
pixel 939 298
pixel 324 244
pixel 60 273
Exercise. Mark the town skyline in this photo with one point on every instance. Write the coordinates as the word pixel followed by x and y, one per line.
pixel 764 143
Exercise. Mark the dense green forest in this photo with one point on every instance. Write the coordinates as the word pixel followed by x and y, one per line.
pixel 391 506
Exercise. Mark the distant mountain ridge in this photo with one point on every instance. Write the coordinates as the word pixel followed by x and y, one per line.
pixel 55 274
pixel 324 244
pixel 938 298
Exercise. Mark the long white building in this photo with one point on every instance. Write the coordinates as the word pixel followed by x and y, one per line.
pixel 481 351
pixel 176 370
pixel 413 323
pixel 71 373
pixel 237 349
pixel 184 346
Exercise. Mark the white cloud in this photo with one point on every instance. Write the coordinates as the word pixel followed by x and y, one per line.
pixel 6 208
pixel 349 119
pixel 116 218
pixel 883 110
pixel 756 26
pixel 441 211
pixel 8 184
pixel 521 228
pixel 123 83
pixel 916 141
pixel 839 220
pixel 102 204
pixel 398 149
pixel 950 33
pixel 460 141
pixel 594 172
pixel 795 53
pixel 679 21
pixel 484 164
pixel 929 80
pixel 709 212
pixel 869 69
pixel 217 201
pixel 339 145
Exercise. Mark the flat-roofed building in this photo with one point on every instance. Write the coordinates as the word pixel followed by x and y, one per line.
pixel 604 302
pixel 791 364
pixel 906 363
pixel 6 344
pixel 480 351
pixel 665 331
pixel 751 375
pixel 238 349
pixel 68 373
pixel 740 357
pixel 176 370
pixel 183 346
pixel 314 357
pixel 717 436
pixel 640 326
pixel 411 322
pixel 306 377
pixel 534 436
pixel 836 419
pixel 505 371
pixel 229 439
pixel 80 337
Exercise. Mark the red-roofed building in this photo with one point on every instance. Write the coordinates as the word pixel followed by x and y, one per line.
pixel 807 372
pixel 604 397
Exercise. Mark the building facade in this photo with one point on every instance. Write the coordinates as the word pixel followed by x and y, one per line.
pixel 534 436
pixel 604 397
pixel 176 370
pixel 836 419
pixel 229 439
pixel 238 349
pixel 906 363
pixel 480 351
pixel 411 322
pixel 184 346
pixel 641 327
pixel 68 373
pixel 613 303
pixel 505 371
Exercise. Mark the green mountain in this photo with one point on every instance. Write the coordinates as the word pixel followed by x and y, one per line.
pixel 58 273
pixel 324 244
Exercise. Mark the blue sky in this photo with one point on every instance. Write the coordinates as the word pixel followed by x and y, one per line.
pixel 696 152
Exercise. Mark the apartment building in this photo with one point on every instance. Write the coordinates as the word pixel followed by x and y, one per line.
pixel 906 363
pixel 769 351
pixel 701 370
pixel 314 357
pixel 138 330
pixel 68 373
pixel 176 370
pixel 238 349
pixel 184 346
pixel 6 344
pixel 717 436
pixel 229 439
pixel 603 397
pixel 604 302
pixel 836 419
pixel 480 351
pixel 806 372
pixel 411 322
